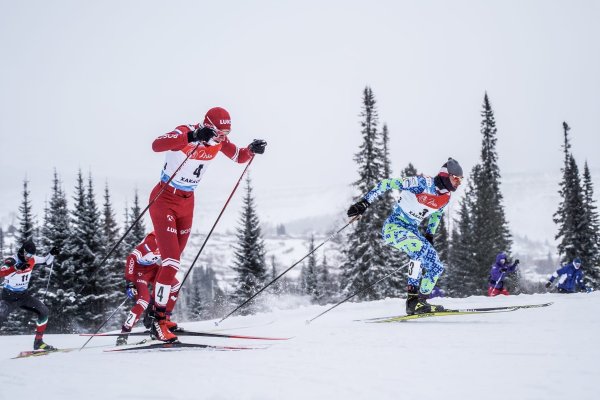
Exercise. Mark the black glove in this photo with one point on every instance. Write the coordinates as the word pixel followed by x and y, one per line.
pixel 203 134
pixel 257 146
pixel 429 237
pixel 548 284
pixel 358 208
pixel 22 266
pixel 516 262
pixel 54 251
pixel 503 269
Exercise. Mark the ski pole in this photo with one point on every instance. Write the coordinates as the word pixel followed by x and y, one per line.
pixel 136 221
pixel 215 224
pixel 48 283
pixel 497 281
pixel 284 272
pixel 359 291
pixel 104 323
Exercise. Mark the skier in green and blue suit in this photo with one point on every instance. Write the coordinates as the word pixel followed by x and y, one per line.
pixel 421 197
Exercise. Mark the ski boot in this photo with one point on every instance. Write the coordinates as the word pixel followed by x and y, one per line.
pixel 122 338
pixel 148 318
pixel 38 344
pixel 416 302
pixel 172 325
pixel 159 329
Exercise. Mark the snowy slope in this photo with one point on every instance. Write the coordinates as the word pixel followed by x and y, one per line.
pixel 546 353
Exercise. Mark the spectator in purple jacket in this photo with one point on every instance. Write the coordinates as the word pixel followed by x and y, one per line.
pixel 497 274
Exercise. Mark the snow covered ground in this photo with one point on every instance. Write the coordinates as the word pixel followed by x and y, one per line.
pixel 543 353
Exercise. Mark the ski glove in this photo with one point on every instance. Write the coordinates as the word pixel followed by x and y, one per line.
pixel 130 290
pixel 503 269
pixel 21 266
pixel 203 134
pixel 358 208
pixel 429 237
pixel 54 251
pixel 516 262
pixel 548 284
pixel 257 146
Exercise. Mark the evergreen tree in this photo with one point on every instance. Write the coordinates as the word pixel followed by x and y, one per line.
pixel 488 221
pixel 456 281
pixel 591 248
pixel 326 284
pixel 410 170
pixel 365 254
pixel 571 214
pixel 1 243
pixel 206 295
pixel 85 249
pixel 138 232
pixel 61 290
pixel 310 271
pixel 249 254
pixel 26 218
pixel 115 264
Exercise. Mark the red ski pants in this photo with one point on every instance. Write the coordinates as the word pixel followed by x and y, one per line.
pixel 172 214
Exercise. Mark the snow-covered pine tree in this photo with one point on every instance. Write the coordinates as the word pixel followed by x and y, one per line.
pixel 456 281
pixel 138 232
pixel 327 287
pixel 85 252
pixel 205 298
pixel 55 232
pixel 26 218
pixel 1 243
pixel 365 261
pixel 249 254
pixel 489 223
pixel 591 252
pixel 114 266
pixel 571 214
pixel 310 270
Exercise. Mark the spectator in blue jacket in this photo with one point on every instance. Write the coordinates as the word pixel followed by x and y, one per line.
pixel 570 278
pixel 498 273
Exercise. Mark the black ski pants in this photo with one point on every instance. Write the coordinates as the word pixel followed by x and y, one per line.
pixel 10 300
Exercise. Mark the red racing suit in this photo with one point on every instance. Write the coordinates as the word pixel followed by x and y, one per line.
pixel 172 212
pixel 140 269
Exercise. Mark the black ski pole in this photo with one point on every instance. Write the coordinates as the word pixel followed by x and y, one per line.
pixel 135 222
pixel 104 323
pixel 215 224
pixel 359 291
pixel 284 272
pixel 48 283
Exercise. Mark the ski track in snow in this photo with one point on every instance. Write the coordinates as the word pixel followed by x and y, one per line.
pixel 540 353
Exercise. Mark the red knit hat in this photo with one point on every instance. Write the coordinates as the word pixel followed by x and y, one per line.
pixel 218 118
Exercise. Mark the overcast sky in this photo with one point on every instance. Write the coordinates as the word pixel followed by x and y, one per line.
pixel 89 85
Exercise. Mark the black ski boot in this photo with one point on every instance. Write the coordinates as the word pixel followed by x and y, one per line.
pixel 38 344
pixel 412 299
pixel 122 338
pixel 416 303
pixel 148 317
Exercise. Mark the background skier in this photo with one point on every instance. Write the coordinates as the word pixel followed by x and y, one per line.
pixel 140 273
pixel 570 278
pixel 16 271
pixel 497 274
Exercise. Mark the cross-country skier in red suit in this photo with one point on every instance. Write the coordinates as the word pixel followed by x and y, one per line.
pixel 140 272
pixel 172 212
